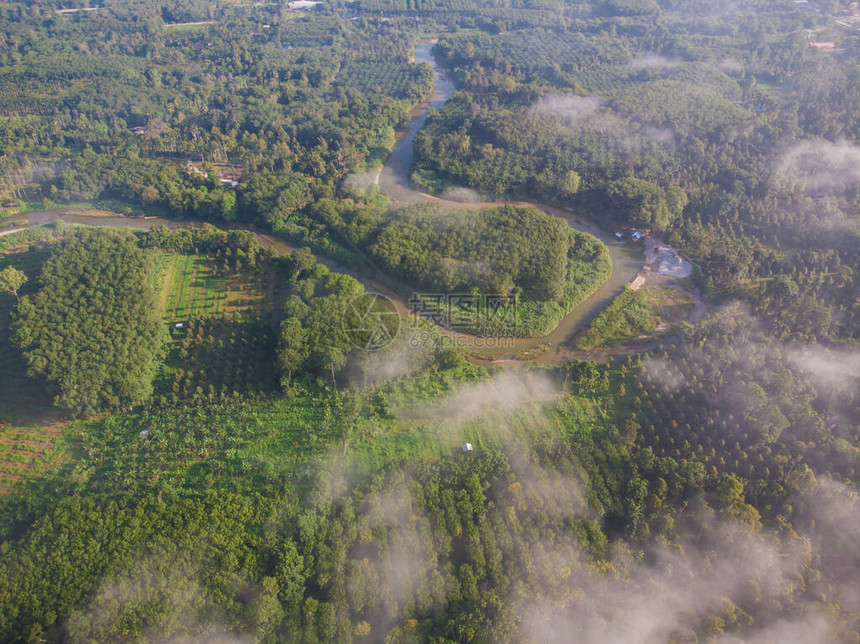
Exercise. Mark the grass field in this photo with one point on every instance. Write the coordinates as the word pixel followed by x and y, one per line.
pixel 193 288
pixel 227 340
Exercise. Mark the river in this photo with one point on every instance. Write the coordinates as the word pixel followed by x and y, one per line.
pixel 394 181
pixel 626 258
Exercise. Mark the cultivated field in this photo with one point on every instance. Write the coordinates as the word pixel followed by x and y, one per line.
pixel 193 287
pixel 226 341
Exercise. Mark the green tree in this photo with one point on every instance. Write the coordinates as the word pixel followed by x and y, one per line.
pixel 93 328
pixel 12 279
pixel 570 183
pixel 292 349
pixel 644 203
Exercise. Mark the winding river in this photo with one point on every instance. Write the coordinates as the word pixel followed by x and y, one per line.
pixel 626 258
pixel 394 181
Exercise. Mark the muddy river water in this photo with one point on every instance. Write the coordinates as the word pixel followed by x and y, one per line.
pixel 394 181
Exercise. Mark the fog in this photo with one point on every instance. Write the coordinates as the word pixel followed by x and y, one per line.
pixel 171 581
pixel 670 592
pixel 361 183
pixel 820 166
pixel 591 113
pixel 501 394
pixel 655 61
pixel 666 591
pixel 465 195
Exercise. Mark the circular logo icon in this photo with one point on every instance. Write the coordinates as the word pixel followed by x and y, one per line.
pixel 371 321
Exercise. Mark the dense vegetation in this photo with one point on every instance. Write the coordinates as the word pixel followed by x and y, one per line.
pixel 713 399
pixel 314 332
pixel 118 104
pixel 282 481
pixel 628 316
pixel 206 530
pixel 495 251
pixel 721 126
pixel 533 268
pixel 92 329
pixel 518 270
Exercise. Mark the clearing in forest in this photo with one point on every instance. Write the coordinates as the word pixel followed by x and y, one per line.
pixel 226 341
pixel 193 287
pixel 25 451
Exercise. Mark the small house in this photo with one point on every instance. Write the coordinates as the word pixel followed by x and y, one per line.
pixel 823 46
pixel 467 447
pixel 619 235
pixel 636 236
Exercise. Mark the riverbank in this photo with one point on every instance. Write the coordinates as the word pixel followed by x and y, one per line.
pixel 627 261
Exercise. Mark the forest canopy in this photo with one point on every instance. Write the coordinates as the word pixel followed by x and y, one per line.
pixel 495 250
pixel 92 329
pixel 703 491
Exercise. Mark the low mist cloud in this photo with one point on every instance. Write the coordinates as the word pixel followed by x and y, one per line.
pixel 814 629
pixel 400 358
pixel 466 195
pixel 405 558
pixel 669 594
pixel 569 107
pixel 744 373
pixel 171 584
pixel 830 369
pixel 664 372
pixel 659 135
pixel 821 166
pixel 830 516
pixel 548 491
pixel 361 183
pixel 589 113
pixel 729 65
pixel 503 393
pixel 582 111
pixel 655 61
